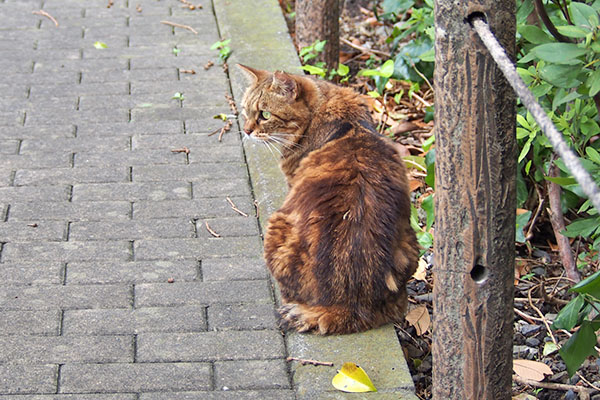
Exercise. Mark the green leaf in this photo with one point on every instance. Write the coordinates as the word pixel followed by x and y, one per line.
pixel 311 69
pixel 522 220
pixel 568 316
pixel 320 45
pixel 427 205
pixel 560 180
pixel 428 56
pixel 177 96
pixel 387 69
pixel 572 31
pixel 593 154
pixel 100 45
pixel 563 97
pixel 593 82
pixel 343 70
pixel 582 227
pixel 579 347
pixel 534 34
pixel 584 15
pixel 396 6
pixel 590 285
pixel 559 53
pixel 525 149
pixel 563 76
pixel 374 94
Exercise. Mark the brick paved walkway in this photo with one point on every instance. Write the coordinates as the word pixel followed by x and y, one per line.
pixel 98 215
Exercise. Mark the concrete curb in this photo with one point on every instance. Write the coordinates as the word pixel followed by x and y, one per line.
pixel 259 38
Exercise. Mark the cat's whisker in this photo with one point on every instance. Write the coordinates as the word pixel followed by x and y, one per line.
pixel 288 144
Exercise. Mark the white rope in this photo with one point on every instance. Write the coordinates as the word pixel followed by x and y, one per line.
pixel 554 136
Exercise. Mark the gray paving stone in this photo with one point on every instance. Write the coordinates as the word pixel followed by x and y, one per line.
pixel 29 78
pixel 89 89
pixel 228 227
pixel 234 269
pixel 131 158
pixel 173 113
pixel 122 321
pixel 40 131
pixel 31 161
pixel 64 349
pixel 24 379
pixel 131 272
pixel 6 177
pixel 223 317
pixel 29 273
pixel 137 377
pixel 79 396
pixel 9 146
pixel 189 173
pixel 251 374
pixel 221 395
pixel 209 207
pixel 43 117
pixel 79 211
pixel 25 177
pixel 132 191
pixel 17 231
pixel 30 323
pixel 80 65
pixel 202 293
pixel 216 154
pixel 130 230
pixel 137 101
pixel 130 128
pixel 209 346
pixel 30 194
pixel 119 75
pixel 76 145
pixel 67 251
pixel 157 249
pixel 190 141
pixel 65 297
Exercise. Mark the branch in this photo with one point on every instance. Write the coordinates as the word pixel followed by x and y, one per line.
pixel 541 12
pixel 45 14
pixel 583 392
pixel 558 225
pixel 189 28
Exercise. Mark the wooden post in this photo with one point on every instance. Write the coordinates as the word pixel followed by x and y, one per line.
pixel 475 202
pixel 319 20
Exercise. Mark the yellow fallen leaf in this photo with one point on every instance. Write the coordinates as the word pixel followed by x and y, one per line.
pixel 419 318
pixel 352 378
pixel 530 369
pixel 421 271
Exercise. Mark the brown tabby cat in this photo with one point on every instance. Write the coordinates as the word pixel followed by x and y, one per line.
pixel 341 247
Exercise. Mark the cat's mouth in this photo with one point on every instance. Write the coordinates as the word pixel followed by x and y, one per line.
pixel 260 136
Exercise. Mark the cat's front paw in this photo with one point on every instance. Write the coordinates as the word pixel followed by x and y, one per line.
pixel 291 318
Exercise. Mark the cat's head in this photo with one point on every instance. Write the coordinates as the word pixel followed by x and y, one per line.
pixel 275 110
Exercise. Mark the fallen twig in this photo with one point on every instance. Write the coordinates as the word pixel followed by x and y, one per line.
pixel 224 129
pixel 558 225
pixel 551 385
pixel 209 229
pixel 232 104
pixel 364 49
pixel 187 71
pixel 208 65
pixel 312 362
pixel 189 28
pixel 234 208
pixel 544 320
pixel 182 150
pixel 45 14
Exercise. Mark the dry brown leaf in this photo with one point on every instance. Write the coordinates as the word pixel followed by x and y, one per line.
pixel 421 271
pixel 419 318
pixel 414 184
pixel 533 370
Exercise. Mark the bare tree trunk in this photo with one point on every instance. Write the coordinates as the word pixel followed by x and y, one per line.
pixel 319 20
pixel 475 204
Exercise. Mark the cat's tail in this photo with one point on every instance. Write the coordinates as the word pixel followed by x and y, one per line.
pixel 328 320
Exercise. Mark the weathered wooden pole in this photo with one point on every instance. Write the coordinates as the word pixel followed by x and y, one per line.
pixel 475 205
pixel 319 20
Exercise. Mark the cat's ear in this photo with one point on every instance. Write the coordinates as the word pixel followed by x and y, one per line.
pixel 285 85
pixel 253 75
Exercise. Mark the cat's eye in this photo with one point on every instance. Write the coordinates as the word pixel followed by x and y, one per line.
pixel 265 114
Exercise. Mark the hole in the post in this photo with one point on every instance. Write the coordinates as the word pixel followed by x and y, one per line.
pixel 475 15
pixel 479 273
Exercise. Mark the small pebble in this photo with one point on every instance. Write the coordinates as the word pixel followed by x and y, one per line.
pixel 529 330
pixel 170 280
pixel 532 342
pixel 570 395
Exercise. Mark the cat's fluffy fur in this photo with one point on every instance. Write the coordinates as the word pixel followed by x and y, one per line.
pixel 341 247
